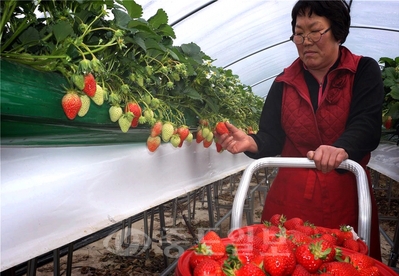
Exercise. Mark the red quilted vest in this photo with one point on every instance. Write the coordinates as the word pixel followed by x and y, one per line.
pixel 330 199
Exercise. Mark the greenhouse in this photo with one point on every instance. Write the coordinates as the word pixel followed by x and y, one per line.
pixel 114 133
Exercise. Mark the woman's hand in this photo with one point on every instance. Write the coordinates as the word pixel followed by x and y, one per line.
pixel 327 158
pixel 236 141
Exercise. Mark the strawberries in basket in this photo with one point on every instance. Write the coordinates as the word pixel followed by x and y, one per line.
pixel 282 247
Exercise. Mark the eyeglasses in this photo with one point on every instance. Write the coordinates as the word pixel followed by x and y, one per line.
pixel 312 36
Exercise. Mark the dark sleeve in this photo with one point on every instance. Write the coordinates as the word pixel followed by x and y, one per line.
pixel 363 128
pixel 270 137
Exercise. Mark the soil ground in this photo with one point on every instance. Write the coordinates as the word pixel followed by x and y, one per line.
pixel 109 257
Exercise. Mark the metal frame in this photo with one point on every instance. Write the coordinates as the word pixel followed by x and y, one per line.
pixel 363 191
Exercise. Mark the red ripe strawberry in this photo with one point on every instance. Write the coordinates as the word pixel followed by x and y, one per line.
pixel 71 104
pixel 90 85
pixel 183 132
pixel 346 232
pixel 300 271
pixel 279 260
pixel 277 219
pixel 219 147
pixel 370 271
pixel 199 254
pixel 322 230
pixel 339 269
pixel 249 269
pixel 208 267
pixel 327 248
pixel 298 238
pixel 388 122
pixel 338 234
pixel 360 261
pixel 199 138
pixel 307 228
pixel 156 129
pixel 207 143
pixel 268 233
pixel 351 245
pixel 221 128
pixel 153 143
pixel 311 256
pixel 136 110
pixel 292 223
pixel 330 238
pixel 214 244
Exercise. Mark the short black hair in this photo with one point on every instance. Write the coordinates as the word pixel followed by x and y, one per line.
pixel 337 11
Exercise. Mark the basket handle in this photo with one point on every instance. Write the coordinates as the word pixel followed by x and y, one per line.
pixel 363 191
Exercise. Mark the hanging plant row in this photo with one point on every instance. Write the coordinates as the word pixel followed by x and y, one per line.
pixel 113 57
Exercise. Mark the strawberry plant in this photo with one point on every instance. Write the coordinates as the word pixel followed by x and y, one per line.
pixel 390 76
pixel 108 52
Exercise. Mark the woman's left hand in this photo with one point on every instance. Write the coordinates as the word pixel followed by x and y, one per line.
pixel 327 158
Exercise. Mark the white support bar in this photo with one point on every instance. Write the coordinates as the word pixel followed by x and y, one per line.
pixel 363 191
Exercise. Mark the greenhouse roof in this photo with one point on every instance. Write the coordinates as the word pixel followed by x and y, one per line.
pixel 252 37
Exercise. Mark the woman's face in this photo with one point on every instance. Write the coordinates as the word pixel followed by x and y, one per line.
pixel 319 55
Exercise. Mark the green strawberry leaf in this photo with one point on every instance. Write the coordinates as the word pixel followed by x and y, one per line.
pixel 159 19
pixel 61 30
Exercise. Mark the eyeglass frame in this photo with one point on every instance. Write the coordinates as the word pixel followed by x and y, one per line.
pixel 307 36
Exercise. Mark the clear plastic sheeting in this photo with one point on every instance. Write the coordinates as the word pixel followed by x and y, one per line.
pixel 251 37
pixel 53 196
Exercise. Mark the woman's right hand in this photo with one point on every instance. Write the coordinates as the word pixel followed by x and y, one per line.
pixel 236 141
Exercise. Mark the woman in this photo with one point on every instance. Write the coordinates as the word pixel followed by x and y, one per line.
pixel 325 106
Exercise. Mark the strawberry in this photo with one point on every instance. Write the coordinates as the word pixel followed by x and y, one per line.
pixel 249 269
pixel 279 260
pixel 307 228
pixel 189 138
pixel 148 115
pixel 115 112
pixel 136 110
pixel 212 244
pixel 205 132
pixel 346 232
pixel 79 81
pixel 85 105
pixel 339 269
pixel 370 271
pixel 388 122
pixel 207 143
pixel 297 237
pixel 311 256
pixel 300 271
pixel 156 129
pixel 98 97
pixel 71 103
pixel 351 245
pixel 292 223
pixel 330 238
pixel 219 147
pixel 361 261
pixel 90 85
pixel 175 140
pixel 167 131
pixel 277 219
pixel 199 137
pixel 125 121
pixel 208 267
pixel 209 137
pixel 221 128
pixel 183 132
pixel 153 143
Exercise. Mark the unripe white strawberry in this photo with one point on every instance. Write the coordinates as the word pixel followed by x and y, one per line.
pixel 85 105
pixel 167 131
pixel 205 131
pixel 115 112
pixel 98 97
pixel 125 121
pixel 190 137
pixel 175 140
pixel 209 137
